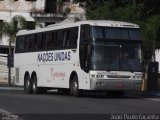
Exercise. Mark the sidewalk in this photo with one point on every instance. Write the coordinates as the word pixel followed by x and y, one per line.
pixel 3 83
pixel 151 94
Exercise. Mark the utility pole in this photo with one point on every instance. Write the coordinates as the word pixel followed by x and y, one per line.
pixel 9 51
pixel 9 67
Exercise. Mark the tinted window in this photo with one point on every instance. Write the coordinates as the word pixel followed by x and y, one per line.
pixel 30 42
pixel 66 41
pixel 73 37
pixel 39 41
pixel 60 39
pixel 54 39
pixel 20 44
pixel 48 39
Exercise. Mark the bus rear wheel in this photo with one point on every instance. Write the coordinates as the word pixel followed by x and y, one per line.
pixel 27 84
pixel 74 87
pixel 35 88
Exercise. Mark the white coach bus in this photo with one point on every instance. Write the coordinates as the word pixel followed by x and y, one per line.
pixel 86 55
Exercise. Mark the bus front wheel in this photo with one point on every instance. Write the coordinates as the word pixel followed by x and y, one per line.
pixel 27 85
pixel 74 87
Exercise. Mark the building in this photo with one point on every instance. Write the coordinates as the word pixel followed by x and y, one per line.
pixel 43 12
pixel 37 12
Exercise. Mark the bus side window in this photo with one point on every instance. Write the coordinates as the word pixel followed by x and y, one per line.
pixel 66 38
pixel 31 42
pixel 39 41
pixel 26 42
pixel 35 43
pixel 73 37
pixel 54 39
pixel 20 44
pixel 60 39
pixel 48 39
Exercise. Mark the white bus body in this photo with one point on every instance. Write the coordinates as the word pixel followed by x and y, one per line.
pixel 61 67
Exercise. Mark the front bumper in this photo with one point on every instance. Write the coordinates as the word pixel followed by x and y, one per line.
pixel 114 84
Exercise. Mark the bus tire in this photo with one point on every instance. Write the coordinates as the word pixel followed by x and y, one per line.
pixel 34 85
pixel 27 84
pixel 74 87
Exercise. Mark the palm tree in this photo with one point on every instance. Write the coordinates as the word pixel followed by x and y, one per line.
pixel 9 30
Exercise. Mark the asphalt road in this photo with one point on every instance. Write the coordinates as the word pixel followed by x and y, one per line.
pixel 24 105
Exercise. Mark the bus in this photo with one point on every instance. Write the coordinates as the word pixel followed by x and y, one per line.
pixel 91 55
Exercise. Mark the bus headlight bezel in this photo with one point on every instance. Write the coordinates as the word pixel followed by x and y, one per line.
pixel 137 77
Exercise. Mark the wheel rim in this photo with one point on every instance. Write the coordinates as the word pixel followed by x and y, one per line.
pixel 74 87
pixel 27 85
pixel 34 86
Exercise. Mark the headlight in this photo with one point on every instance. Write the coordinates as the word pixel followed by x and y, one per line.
pixel 93 75
pixel 137 77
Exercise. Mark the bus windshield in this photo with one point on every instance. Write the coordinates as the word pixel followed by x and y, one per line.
pixel 116 57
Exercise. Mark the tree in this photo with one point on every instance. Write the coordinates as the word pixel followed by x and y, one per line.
pixel 145 13
pixel 9 30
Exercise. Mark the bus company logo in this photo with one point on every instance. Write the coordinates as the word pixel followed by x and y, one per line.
pixel 51 56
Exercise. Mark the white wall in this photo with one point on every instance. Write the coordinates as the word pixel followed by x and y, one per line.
pixel 157 55
pixel 21 5
pixel 4 68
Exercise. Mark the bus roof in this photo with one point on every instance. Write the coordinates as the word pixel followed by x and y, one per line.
pixel 67 24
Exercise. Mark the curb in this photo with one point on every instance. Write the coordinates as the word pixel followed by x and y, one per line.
pixel 156 94
pixel 11 88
